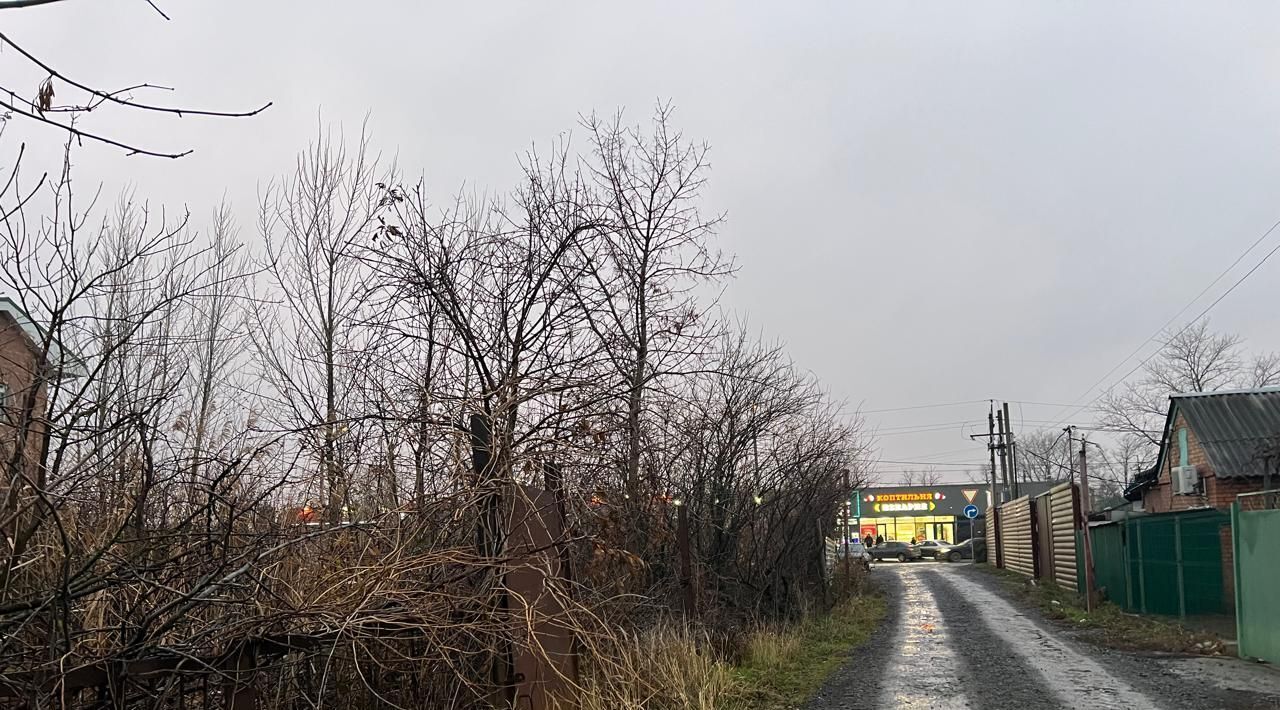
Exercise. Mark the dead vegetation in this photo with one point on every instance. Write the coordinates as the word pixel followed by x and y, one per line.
pixel 294 475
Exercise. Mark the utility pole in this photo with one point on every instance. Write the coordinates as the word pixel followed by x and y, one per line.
pixel 1071 466
pixel 1084 514
pixel 1004 454
pixel 993 507
pixel 991 448
pixel 1009 448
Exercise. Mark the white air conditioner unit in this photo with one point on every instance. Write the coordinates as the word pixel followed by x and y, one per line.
pixel 1185 479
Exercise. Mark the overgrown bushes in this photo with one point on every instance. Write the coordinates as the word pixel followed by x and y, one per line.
pixel 221 446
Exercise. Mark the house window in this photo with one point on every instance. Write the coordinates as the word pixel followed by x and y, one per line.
pixel 1182 446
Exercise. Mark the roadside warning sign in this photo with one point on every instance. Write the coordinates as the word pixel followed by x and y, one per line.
pixel 970 493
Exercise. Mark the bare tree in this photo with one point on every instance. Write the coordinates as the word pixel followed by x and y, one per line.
pixel 924 477
pixel 1044 455
pixel 314 223
pixel 150 502
pixel 218 344
pixel 655 253
pixel 1193 359
pixel 761 457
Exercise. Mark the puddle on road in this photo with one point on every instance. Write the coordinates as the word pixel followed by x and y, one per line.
pixel 925 671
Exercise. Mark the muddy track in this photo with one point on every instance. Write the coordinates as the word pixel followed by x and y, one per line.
pixel 954 639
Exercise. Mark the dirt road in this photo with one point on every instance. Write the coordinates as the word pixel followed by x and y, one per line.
pixel 952 640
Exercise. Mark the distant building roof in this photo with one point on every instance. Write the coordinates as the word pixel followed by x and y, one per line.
pixel 64 362
pixel 1233 427
pixel 1141 482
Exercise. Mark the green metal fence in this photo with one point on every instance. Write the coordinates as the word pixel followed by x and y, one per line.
pixel 1255 536
pixel 1108 561
pixel 1167 563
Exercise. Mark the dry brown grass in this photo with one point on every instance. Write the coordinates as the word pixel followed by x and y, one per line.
pixel 769 648
pixel 670 667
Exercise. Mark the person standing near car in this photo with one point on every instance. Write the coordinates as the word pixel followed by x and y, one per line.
pixel 868 541
pixel 879 539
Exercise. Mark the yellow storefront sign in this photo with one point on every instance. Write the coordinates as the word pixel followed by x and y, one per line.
pixel 913 506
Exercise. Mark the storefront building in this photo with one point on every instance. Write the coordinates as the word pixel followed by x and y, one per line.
pixel 927 512
pixel 920 512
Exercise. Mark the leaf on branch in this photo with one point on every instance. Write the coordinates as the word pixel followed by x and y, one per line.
pixel 44 98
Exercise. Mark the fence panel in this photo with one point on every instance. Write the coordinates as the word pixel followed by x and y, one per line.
pixel 1167 563
pixel 1157 558
pixel 1017 536
pixel 993 546
pixel 1255 533
pixel 1109 570
pixel 1063 521
pixel 1199 540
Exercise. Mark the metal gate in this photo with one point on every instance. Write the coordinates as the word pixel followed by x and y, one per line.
pixel 1255 523
pixel 1017 536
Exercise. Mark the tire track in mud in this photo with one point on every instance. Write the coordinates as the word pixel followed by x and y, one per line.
pixel 994 676
pixel 925 671
pixel 1075 679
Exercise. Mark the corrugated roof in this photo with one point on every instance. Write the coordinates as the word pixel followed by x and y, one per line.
pixel 1231 426
pixel 65 364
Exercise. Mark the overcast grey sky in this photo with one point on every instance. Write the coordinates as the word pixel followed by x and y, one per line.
pixel 930 202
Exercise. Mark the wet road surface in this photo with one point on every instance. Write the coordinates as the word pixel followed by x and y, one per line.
pixel 952 640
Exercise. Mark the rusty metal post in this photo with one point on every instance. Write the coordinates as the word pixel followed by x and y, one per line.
pixel 489 547
pixel 686 561
pixel 238 690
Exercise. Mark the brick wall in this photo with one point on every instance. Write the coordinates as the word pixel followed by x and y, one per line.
pixel 18 374
pixel 1216 493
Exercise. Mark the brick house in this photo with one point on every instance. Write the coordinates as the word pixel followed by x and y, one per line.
pixel 1224 437
pixel 1215 446
pixel 25 367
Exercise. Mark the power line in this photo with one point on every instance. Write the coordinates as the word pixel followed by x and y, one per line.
pixel 916 431
pixel 1073 407
pixel 935 463
pixel 1038 404
pixel 920 406
pixel 945 453
pixel 946 425
pixel 931 424
pixel 1054 463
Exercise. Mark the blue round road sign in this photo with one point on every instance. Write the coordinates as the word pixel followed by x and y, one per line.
pixel 971 511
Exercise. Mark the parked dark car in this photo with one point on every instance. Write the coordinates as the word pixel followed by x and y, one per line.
pixel 899 551
pixel 933 549
pixel 967 550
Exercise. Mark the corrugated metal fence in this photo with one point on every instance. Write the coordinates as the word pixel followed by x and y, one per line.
pixel 1164 563
pixel 992 524
pixel 1064 514
pixel 1017 536
pixel 1256 527
pixel 1038 536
